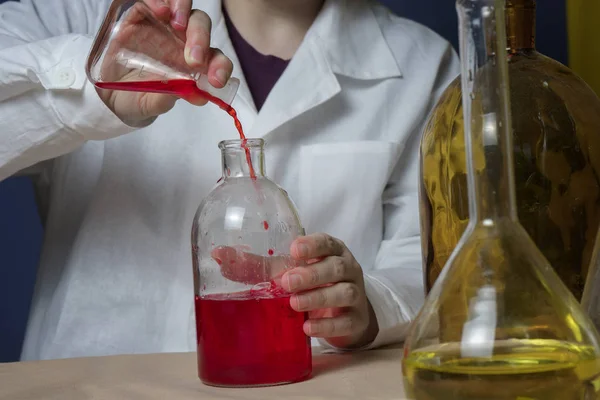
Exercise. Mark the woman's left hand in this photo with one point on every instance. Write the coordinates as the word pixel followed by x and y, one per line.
pixel 331 288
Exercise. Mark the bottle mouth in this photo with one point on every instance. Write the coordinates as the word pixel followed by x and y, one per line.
pixel 520 3
pixel 241 143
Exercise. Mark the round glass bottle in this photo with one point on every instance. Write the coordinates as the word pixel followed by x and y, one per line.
pixel 498 323
pixel 248 335
pixel 556 120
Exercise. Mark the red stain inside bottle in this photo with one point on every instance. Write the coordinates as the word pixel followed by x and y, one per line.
pixel 251 338
pixel 271 252
pixel 266 225
pixel 185 89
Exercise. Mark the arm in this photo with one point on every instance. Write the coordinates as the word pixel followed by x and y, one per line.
pixel 395 285
pixel 47 106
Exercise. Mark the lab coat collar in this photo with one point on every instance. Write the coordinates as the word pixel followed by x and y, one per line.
pixel 345 39
pixel 351 38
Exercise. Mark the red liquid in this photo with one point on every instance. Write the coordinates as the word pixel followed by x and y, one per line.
pixel 266 225
pixel 251 339
pixel 186 89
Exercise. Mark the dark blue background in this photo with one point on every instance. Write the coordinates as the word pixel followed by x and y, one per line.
pixel 21 231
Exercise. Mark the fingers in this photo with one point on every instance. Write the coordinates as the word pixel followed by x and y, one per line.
pixel 200 55
pixel 343 294
pixel 330 270
pixel 159 8
pixel 219 68
pixel 317 245
pixel 343 325
pixel 197 46
pixel 180 14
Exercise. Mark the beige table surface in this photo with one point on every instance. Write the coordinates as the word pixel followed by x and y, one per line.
pixel 374 374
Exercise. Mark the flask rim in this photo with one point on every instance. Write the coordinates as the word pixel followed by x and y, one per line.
pixel 239 143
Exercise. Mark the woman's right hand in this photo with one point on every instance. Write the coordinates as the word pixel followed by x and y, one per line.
pixel 192 26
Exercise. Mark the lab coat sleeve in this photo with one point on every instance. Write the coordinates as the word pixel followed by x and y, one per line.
pixel 395 284
pixel 47 106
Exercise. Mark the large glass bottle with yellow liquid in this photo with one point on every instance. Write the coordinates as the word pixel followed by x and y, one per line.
pixel 556 136
pixel 499 323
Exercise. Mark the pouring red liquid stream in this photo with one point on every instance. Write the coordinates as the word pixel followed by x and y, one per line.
pixel 186 89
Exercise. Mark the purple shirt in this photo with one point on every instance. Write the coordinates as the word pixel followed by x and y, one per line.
pixel 261 72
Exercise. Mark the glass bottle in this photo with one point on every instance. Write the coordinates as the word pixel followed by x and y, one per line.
pixel 556 120
pixel 248 335
pixel 499 323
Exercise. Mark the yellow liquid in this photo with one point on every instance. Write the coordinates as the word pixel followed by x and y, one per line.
pixel 518 370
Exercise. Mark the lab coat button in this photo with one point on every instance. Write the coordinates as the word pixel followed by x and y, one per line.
pixel 65 77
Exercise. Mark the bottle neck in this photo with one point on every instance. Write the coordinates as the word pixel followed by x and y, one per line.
pixel 242 160
pixel 520 25
pixel 486 105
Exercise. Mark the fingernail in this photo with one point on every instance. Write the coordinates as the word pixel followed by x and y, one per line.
pixel 310 328
pixel 301 302
pixel 221 76
pixel 294 281
pixel 180 18
pixel 302 249
pixel 197 54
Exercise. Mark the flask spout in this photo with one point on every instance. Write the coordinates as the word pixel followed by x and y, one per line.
pixel 226 94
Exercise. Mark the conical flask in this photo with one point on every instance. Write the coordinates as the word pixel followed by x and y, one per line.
pixel 498 323
pixel 136 49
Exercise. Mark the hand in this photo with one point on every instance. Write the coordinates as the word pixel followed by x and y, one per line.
pixel 325 280
pixel 331 288
pixel 137 32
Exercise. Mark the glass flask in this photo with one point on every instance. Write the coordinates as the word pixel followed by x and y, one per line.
pixel 498 323
pixel 248 335
pixel 556 152
pixel 136 49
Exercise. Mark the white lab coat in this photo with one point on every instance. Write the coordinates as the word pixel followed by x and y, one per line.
pixel 342 127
